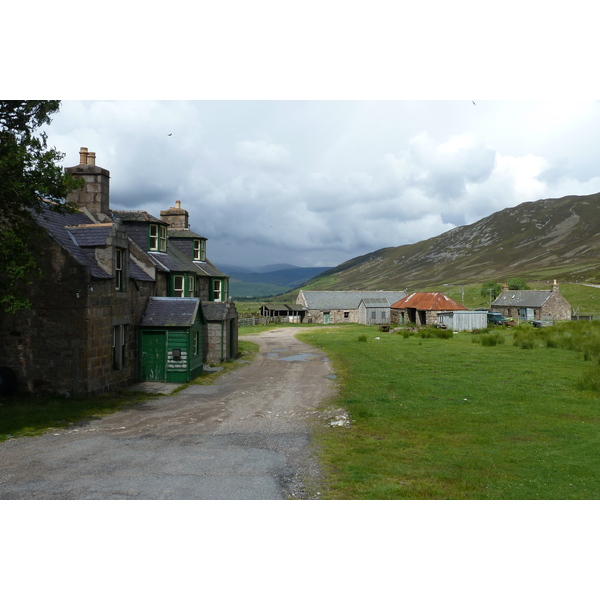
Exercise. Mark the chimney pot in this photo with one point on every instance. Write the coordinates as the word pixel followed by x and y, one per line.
pixel 178 203
pixel 83 153
pixel 91 158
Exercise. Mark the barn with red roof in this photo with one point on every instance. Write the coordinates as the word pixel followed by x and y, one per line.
pixel 422 308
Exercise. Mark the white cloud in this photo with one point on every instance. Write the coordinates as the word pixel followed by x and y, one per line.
pixel 322 182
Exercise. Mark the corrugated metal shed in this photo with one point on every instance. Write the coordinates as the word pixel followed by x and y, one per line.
pixel 463 320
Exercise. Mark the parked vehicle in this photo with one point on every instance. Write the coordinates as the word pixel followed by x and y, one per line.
pixel 496 318
pixel 542 323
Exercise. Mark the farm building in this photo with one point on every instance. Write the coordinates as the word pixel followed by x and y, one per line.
pixel 294 313
pixel 423 308
pixel 339 307
pixel 463 320
pixel 374 311
pixel 530 305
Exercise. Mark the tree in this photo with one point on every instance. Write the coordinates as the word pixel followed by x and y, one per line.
pixel 516 283
pixel 491 290
pixel 29 178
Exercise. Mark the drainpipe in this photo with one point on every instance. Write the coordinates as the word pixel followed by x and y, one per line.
pixel 222 340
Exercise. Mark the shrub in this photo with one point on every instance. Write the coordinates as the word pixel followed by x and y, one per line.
pixel 362 338
pixel 490 339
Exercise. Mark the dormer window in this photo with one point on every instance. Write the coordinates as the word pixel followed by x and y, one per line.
pixel 158 238
pixel 199 250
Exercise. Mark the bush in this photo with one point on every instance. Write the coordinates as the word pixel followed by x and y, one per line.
pixel 490 339
pixel 362 338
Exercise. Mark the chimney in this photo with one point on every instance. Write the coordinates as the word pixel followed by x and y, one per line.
pixel 176 217
pixel 94 195
pixel 554 288
pixel 505 287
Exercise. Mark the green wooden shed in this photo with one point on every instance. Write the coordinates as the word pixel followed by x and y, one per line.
pixel 171 344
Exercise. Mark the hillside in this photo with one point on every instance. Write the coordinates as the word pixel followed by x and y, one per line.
pixel 552 238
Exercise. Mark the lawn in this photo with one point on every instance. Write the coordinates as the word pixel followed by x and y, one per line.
pixel 463 417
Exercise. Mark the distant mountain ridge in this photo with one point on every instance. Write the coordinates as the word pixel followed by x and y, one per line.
pixel 268 280
pixel 550 238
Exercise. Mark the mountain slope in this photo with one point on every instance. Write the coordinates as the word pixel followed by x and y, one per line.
pixel 535 240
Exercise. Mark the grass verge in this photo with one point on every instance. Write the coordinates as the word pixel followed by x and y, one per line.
pixel 446 418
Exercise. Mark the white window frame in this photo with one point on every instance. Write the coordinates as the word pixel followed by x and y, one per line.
pixel 217 290
pixel 158 238
pixel 119 262
pixel 178 292
pixel 191 286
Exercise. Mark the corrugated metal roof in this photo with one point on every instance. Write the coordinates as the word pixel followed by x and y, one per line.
pixel 525 298
pixel 375 303
pixel 319 300
pixel 429 301
pixel 170 312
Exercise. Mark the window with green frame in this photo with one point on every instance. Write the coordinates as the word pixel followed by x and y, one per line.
pixel 220 289
pixel 199 249
pixel 158 238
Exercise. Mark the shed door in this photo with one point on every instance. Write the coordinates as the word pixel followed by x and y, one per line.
pixel 326 318
pixel 154 356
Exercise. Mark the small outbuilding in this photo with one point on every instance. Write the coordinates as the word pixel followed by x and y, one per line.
pixel 423 308
pixel 294 313
pixel 374 311
pixel 463 320
pixel 171 340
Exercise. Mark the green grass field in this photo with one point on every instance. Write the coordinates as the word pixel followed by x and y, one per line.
pixel 464 417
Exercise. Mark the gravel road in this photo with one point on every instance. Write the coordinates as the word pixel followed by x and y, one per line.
pixel 246 437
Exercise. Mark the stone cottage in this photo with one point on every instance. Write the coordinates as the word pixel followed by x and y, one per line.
pixel 533 305
pixel 423 308
pixel 99 270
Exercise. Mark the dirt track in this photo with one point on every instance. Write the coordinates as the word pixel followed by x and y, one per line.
pixel 247 437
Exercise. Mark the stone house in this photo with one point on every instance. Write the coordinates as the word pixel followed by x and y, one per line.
pixel 339 307
pixel 533 305
pixel 100 268
pixel 423 308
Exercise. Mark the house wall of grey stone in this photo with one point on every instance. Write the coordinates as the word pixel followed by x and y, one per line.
pixel 64 343
pixel 221 337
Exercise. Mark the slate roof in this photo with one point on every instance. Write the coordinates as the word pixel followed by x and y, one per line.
pixel 284 307
pixel 318 300
pixel 61 227
pixel 136 215
pixel 90 235
pixel 524 298
pixel 215 311
pixel 170 312
pixel 429 301
pixel 184 233
pixel 207 268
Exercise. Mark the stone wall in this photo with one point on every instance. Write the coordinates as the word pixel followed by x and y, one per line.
pixel 335 316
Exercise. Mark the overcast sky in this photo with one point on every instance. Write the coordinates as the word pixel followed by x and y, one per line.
pixel 315 183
